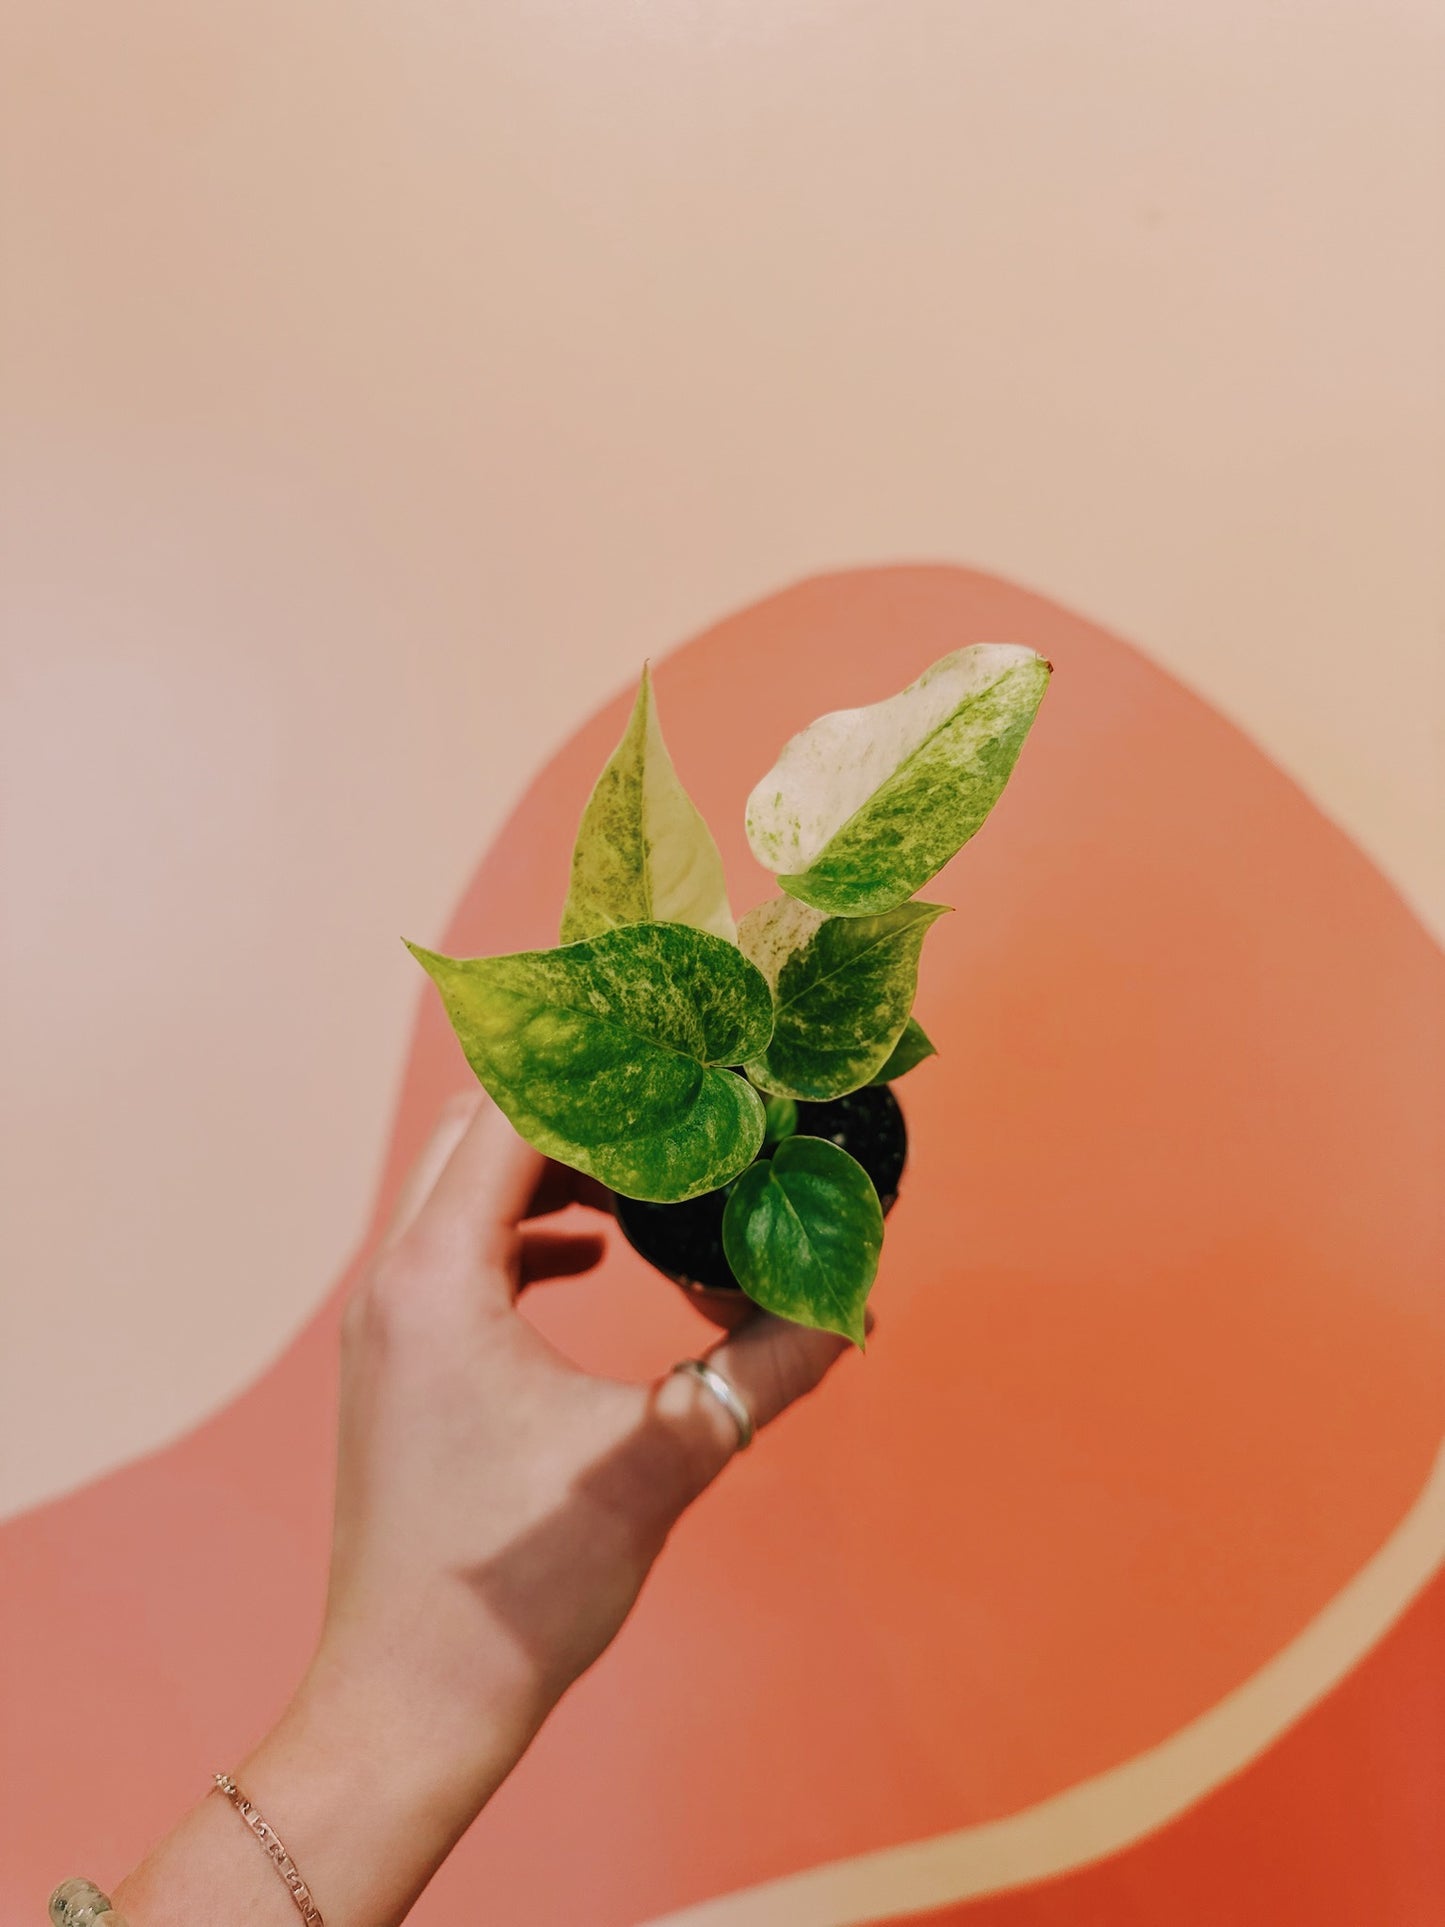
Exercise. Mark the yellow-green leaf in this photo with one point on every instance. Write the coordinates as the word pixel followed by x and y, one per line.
pixel 865 805
pixel 643 853
pixel 609 1054
pixel 842 990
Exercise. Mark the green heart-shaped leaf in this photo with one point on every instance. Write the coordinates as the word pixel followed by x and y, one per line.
pixel 606 1054
pixel 643 853
pixel 842 990
pixel 865 805
pixel 912 1047
pixel 802 1231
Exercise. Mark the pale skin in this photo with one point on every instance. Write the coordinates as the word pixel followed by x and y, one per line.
pixel 497 1511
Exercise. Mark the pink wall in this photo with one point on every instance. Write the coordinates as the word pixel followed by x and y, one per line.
pixel 379 388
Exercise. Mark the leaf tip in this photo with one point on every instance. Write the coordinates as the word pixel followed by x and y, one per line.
pixel 644 711
pixel 431 961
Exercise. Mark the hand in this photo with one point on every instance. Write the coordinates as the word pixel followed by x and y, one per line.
pixel 497 1510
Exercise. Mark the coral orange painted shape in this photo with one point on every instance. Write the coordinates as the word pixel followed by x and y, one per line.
pixel 1339 1823
pixel 1158 1366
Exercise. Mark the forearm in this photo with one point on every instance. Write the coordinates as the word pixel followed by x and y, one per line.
pixel 366 1800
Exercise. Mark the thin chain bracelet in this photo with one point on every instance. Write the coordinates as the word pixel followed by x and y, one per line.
pixel 266 1834
pixel 80 1903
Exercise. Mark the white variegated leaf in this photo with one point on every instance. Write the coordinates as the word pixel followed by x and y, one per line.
pixel 865 805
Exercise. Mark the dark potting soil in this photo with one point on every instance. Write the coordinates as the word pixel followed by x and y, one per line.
pixel 684 1241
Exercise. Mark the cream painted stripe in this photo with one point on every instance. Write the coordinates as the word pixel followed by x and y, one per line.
pixel 1113 1810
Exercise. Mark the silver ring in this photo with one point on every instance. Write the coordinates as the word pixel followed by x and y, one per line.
pixel 725 1394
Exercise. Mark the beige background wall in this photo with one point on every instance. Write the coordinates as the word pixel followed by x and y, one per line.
pixel 382 383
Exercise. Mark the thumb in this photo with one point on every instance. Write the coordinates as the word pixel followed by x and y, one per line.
pixel 770 1364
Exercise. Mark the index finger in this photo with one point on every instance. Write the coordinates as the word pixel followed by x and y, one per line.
pixel 416 1186
pixel 482 1193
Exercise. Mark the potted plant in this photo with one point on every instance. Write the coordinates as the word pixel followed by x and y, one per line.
pixel 730 1084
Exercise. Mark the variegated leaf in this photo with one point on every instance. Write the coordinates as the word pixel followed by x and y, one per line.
pixel 643 853
pixel 842 990
pixel 865 805
pixel 609 1053
pixel 803 1231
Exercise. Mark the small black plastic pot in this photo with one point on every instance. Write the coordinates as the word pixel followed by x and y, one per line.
pixel 684 1241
